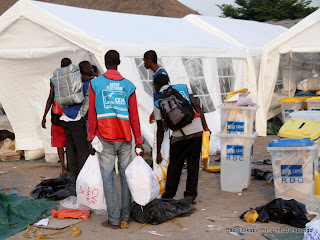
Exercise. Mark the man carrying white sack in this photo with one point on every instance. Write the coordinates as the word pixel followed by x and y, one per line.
pixel 113 113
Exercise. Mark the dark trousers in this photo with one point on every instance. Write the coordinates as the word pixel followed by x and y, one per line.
pixel 179 151
pixel 77 144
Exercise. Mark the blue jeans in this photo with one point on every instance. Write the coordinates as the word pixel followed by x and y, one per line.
pixel 107 162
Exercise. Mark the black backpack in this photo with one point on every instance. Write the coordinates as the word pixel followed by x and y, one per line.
pixel 176 110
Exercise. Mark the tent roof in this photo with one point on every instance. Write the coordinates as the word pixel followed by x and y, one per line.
pixel 304 27
pixel 251 34
pixel 134 33
pixel 165 8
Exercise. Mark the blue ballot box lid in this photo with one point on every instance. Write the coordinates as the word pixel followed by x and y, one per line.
pixel 291 142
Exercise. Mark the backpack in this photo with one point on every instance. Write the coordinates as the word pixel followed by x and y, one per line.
pixel 176 110
pixel 68 86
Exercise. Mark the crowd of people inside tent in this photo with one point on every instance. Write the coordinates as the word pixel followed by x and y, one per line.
pixel 112 119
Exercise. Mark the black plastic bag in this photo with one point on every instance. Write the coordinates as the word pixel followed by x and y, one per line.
pixel 283 211
pixel 56 189
pixel 259 174
pixel 161 210
pixel 6 134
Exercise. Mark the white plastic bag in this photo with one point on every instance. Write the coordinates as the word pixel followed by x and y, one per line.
pixel 142 181
pixel 312 231
pixel 89 185
pixel 71 202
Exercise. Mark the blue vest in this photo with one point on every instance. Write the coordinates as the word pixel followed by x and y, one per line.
pixel 182 89
pixel 160 71
pixel 112 97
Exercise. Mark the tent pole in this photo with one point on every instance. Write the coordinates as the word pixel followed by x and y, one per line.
pixel 290 66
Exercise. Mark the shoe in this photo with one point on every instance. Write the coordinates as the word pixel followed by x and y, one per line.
pixel 109 225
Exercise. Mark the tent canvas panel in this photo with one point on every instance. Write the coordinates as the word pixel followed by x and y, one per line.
pixel 303 37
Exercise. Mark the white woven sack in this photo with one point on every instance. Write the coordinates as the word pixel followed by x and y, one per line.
pixel 89 185
pixel 142 181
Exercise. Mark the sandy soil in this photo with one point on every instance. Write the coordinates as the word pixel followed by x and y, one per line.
pixel 223 208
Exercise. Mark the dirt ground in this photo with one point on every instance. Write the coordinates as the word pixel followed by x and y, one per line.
pixel 223 208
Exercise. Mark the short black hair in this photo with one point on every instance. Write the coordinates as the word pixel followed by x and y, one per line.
pixel 95 69
pixel 161 80
pixel 152 55
pixel 65 62
pixel 82 65
pixel 112 57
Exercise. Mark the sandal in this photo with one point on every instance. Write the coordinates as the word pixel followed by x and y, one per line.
pixel 109 225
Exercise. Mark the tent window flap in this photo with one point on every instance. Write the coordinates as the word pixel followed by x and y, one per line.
pixel 146 75
pixel 198 84
pixel 226 76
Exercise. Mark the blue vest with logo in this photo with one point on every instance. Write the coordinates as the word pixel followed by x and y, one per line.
pixel 112 97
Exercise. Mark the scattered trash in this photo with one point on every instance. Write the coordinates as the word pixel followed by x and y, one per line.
pixel 161 210
pixel 71 213
pixel 234 231
pixel 72 203
pixel 259 174
pixel 261 162
pixel 313 205
pixel 155 233
pixel 312 230
pixel 210 219
pixel 251 216
pixel 2 172
pixel 213 227
pixel 14 167
pixel 55 189
pixel 61 223
pixel 261 201
pixel 42 222
pixel 235 212
pixel 239 194
pixel 36 234
pixel 289 212
pixel 6 190
pixel 203 209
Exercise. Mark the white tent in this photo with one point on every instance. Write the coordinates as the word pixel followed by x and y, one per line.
pixel 35 36
pixel 290 58
pixel 249 35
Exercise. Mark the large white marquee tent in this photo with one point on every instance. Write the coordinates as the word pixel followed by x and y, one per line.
pixel 249 35
pixel 288 59
pixel 35 36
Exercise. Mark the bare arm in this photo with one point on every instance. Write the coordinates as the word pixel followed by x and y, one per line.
pixel 48 105
pixel 160 134
pixel 198 109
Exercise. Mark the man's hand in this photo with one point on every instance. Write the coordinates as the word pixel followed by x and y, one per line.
pixel 43 123
pixel 159 158
pixel 152 118
pixel 207 129
pixel 92 151
pixel 141 147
